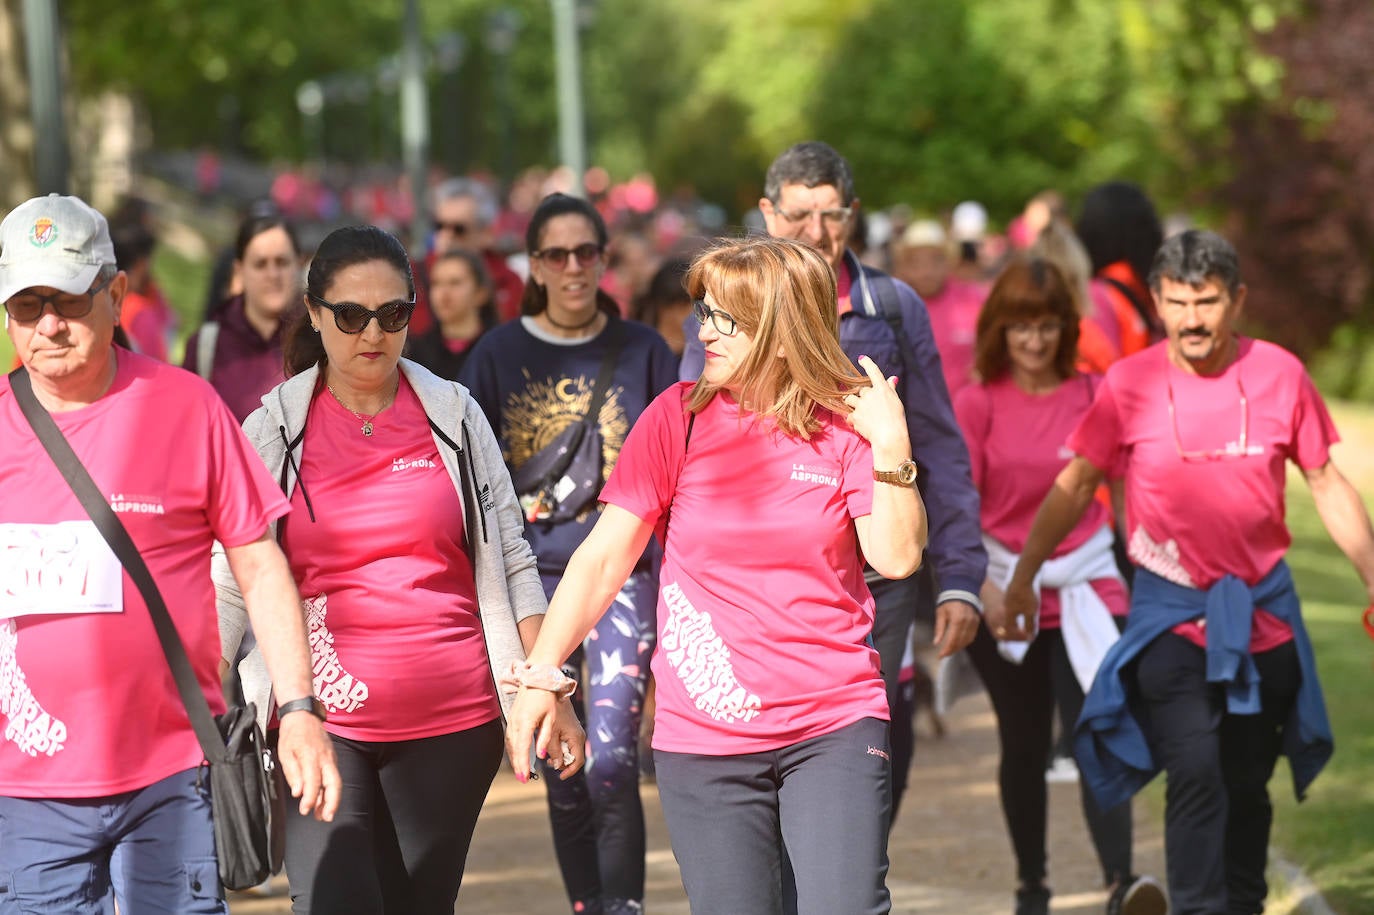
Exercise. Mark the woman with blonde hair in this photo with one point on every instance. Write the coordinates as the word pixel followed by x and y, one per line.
pixel 764 480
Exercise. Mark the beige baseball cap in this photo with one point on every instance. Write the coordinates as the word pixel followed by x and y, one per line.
pixel 54 241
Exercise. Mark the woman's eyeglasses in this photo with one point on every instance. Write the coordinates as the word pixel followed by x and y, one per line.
pixel 27 307
pixel 1233 450
pixel 352 318
pixel 557 258
pixel 723 321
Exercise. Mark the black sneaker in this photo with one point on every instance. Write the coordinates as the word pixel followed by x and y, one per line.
pixel 1138 896
pixel 1033 900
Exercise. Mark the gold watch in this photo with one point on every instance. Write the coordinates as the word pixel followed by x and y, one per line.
pixel 904 475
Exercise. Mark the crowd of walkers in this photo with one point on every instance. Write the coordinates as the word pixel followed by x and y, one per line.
pixel 629 481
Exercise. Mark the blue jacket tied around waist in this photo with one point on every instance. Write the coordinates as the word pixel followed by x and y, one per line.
pixel 1111 745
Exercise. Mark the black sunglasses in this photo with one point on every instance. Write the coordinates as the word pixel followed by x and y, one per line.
pixel 27 307
pixel 352 318
pixel 457 228
pixel 557 258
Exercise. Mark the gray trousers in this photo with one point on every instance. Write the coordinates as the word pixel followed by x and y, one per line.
pixel 828 799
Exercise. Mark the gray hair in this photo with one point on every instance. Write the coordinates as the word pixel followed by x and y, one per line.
pixel 453 188
pixel 810 164
pixel 106 274
pixel 1196 257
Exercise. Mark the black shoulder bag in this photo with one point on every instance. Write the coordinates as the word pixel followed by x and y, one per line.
pixel 560 480
pixel 247 808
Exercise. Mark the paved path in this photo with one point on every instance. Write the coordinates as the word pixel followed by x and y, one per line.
pixel 950 853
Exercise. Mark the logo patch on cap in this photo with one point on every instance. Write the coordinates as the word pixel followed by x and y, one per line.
pixel 43 233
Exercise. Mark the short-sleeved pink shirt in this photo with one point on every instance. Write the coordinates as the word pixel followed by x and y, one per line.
pixel 1016 443
pixel 87 702
pixel 763 613
pixel 1198 505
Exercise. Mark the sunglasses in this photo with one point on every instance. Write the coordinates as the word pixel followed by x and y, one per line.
pixel 352 318
pixel 457 228
pixel 557 258
pixel 27 307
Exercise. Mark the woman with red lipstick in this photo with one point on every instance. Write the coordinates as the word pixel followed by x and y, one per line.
pixel 405 540
pixel 769 481
pixel 538 379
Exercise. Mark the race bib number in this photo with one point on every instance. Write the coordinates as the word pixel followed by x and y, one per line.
pixel 65 567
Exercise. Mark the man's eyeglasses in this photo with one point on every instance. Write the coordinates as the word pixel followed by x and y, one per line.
pixel 459 229
pixel 557 258
pixel 723 321
pixel 352 318
pixel 1233 451
pixel 27 307
pixel 835 217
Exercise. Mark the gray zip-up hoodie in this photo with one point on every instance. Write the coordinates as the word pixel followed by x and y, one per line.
pixel 508 587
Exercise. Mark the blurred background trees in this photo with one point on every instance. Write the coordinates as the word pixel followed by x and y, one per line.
pixel 1251 115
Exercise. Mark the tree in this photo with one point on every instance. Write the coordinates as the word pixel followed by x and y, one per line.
pixel 16 128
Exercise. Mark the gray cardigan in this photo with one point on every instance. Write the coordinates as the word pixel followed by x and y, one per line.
pixel 508 586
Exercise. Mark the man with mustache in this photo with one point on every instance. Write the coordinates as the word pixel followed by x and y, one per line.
pixel 1214 675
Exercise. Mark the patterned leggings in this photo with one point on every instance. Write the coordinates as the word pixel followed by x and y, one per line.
pixel 597 816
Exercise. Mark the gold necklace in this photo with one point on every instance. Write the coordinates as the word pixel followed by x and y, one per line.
pixel 365 420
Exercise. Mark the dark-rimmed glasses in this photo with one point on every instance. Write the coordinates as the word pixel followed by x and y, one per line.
pixel 352 318
pixel 28 307
pixel 722 321
pixel 835 217
pixel 1233 451
pixel 557 258
pixel 459 229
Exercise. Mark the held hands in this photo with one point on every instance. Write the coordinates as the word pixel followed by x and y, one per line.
pixel 307 761
pixel 540 717
pixel 1014 617
pixel 876 413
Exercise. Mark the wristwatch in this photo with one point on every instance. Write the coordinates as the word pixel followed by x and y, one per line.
pixel 310 704
pixel 904 475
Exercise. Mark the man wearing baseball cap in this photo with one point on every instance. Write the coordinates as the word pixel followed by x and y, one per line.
pixel 99 789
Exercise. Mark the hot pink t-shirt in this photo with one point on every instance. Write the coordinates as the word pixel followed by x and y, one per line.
pixel 1016 443
pixel 387 584
pixel 87 702
pixel 763 611
pixel 1194 521
pixel 954 324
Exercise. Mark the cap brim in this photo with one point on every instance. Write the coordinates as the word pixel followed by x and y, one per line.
pixel 66 277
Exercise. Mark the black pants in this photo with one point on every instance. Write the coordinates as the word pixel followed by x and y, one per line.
pixel 1217 812
pixel 897 604
pixel 1025 696
pixel 400 839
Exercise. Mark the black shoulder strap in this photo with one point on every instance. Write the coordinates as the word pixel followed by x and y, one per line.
pixel 686 441
pixel 615 332
pixel 112 529
pixel 1141 308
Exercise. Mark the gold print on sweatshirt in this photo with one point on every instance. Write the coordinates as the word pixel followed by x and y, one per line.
pixel 537 413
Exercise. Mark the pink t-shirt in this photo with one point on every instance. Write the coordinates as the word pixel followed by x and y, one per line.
pixel 954 324
pixel 386 580
pixel 1016 443
pixel 87 702
pixel 1194 521
pixel 763 612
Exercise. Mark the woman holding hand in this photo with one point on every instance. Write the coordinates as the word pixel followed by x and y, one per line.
pixel 764 479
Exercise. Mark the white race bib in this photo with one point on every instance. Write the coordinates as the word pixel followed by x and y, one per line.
pixel 65 567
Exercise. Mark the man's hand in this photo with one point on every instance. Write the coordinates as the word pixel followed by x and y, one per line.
pixel 307 760
pixel 956 623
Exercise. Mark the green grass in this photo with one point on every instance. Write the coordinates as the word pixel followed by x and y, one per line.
pixel 1331 834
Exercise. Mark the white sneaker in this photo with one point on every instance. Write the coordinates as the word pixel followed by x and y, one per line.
pixel 1063 771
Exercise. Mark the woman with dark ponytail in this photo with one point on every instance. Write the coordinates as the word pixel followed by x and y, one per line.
pixel 570 376
pixel 419 591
